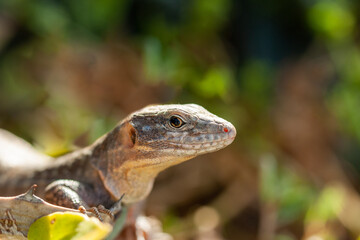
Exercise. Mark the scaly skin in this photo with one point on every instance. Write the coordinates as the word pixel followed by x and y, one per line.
pixel 127 159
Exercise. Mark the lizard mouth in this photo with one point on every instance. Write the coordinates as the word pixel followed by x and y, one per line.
pixel 191 149
pixel 208 146
pixel 203 144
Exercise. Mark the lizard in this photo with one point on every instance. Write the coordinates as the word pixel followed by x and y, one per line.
pixel 124 161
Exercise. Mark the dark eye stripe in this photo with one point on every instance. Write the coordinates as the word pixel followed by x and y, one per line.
pixel 176 122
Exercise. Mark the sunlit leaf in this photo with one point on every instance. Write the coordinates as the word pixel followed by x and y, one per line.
pixel 214 84
pixel 327 206
pixel 67 225
pixel 332 18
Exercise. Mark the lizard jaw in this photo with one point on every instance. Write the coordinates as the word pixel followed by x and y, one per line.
pixel 193 146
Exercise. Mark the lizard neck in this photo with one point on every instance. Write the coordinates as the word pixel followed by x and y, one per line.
pixel 109 155
pixel 127 169
pixel 138 178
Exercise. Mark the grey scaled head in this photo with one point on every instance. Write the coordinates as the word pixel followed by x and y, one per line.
pixel 180 130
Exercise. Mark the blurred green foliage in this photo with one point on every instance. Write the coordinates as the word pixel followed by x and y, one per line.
pixel 226 55
pixel 283 188
pixel 327 206
pixel 332 19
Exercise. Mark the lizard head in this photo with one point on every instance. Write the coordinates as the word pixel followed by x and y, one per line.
pixel 152 139
pixel 177 132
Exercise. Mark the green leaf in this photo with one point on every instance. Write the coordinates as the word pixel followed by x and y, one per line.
pixel 332 19
pixel 328 205
pixel 67 225
pixel 281 186
pixel 215 83
pixel 119 225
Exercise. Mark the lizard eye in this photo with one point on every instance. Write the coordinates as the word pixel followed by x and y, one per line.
pixel 176 122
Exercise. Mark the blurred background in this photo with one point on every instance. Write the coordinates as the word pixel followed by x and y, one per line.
pixel 285 73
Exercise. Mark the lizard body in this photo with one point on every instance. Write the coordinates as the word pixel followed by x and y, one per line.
pixel 126 160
